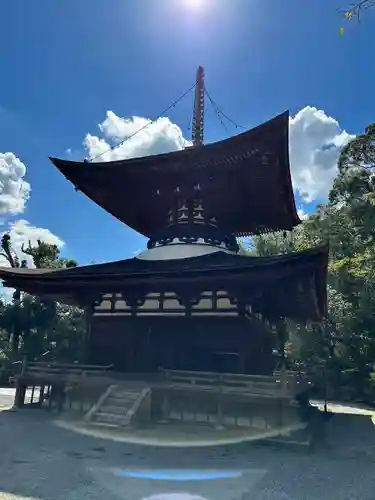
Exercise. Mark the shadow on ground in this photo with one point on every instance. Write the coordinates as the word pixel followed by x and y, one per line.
pixel 41 460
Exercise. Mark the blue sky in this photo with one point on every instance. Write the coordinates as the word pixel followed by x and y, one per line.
pixel 64 64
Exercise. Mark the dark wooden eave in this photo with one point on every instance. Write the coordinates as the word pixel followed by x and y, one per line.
pixel 245 182
pixel 275 280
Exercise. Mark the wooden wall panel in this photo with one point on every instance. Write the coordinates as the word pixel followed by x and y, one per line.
pixel 208 344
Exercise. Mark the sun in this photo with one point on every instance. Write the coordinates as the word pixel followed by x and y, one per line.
pixel 194 4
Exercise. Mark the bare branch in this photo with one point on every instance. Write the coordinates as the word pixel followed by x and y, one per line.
pixel 354 11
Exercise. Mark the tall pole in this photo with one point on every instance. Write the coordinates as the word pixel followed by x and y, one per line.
pixel 198 113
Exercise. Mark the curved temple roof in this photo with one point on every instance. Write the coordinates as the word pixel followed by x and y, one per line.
pixel 292 285
pixel 244 180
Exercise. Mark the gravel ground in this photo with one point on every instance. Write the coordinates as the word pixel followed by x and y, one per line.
pixel 39 460
pixel 6 397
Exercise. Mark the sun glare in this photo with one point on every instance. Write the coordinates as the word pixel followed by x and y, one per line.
pixel 194 4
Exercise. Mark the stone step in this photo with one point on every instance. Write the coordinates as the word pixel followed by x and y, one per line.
pixel 124 397
pixel 108 418
pixel 120 403
pixel 120 395
pixel 115 409
pixel 105 424
pixel 130 392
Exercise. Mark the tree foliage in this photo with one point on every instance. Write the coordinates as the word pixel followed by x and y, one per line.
pixel 345 344
pixel 30 326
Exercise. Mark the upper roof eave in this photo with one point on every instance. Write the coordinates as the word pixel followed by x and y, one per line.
pixel 178 157
pixel 120 186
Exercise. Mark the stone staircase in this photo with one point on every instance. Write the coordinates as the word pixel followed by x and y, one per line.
pixel 118 406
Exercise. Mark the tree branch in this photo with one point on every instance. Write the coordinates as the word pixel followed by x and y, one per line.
pixel 355 10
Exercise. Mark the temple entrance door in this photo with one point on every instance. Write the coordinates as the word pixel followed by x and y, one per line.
pixel 226 362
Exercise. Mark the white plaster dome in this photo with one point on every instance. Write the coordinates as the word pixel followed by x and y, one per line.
pixel 180 250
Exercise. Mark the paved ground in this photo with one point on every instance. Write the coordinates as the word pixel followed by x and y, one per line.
pixel 39 460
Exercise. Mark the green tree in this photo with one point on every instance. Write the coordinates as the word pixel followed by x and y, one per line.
pixel 345 344
pixel 13 315
pixel 36 325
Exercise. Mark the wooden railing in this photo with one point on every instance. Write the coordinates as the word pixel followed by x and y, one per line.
pixel 60 371
pixel 281 385
pixel 61 383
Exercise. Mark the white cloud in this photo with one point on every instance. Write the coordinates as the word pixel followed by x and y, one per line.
pixel 14 194
pixel 144 138
pixel 302 214
pixel 315 142
pixel 14 190
pixel 21 233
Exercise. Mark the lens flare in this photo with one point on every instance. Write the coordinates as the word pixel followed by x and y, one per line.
pixel 179 475
pixel 194 4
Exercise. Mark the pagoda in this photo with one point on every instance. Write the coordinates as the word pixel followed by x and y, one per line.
pixel 191 300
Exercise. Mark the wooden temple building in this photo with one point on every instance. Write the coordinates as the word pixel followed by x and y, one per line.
pixel 192 301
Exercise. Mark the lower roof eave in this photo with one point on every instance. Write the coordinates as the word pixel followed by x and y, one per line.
pixel 83 285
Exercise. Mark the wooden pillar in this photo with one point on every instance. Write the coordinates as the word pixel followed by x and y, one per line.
pixel 129 354
pixel 19 399
pixel 50 396
pixel 282 337
pixel 147 407
pixel 89 312
pixel 165 408
pixel 24 365
pixel 219 423
pixel 147 354
pixel 41 395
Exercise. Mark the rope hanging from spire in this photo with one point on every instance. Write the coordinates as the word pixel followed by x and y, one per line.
pixel 197 121
pixel 144 126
